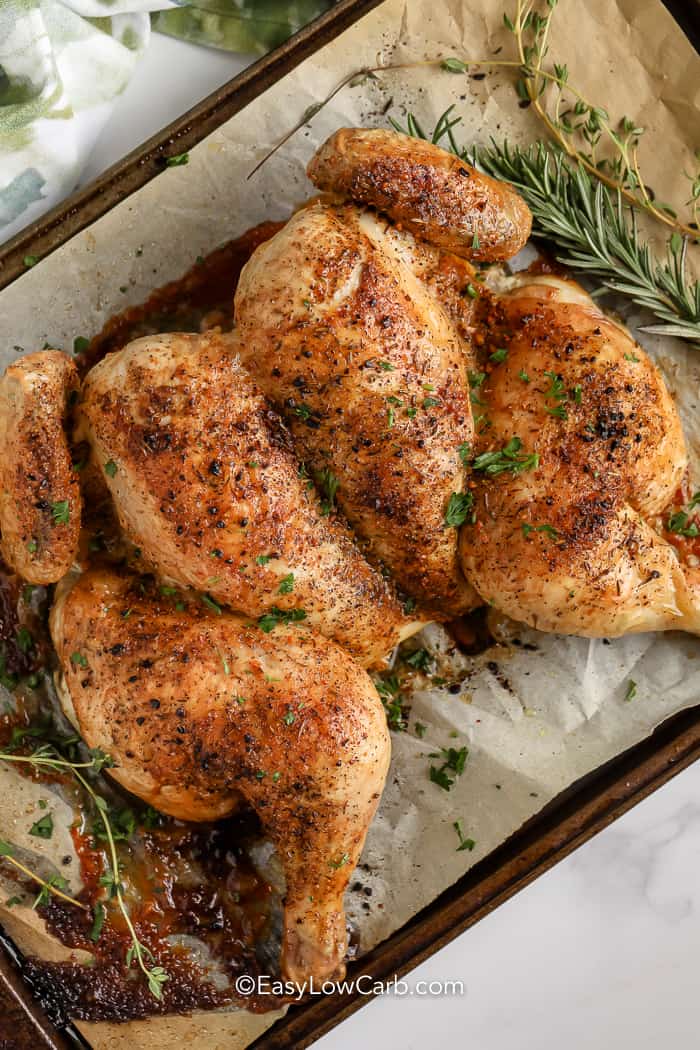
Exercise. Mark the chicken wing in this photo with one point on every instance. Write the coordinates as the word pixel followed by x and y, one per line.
pixel 199 711
pixel 205 482
pixel 426 190
pixel 340 325
pixel 40 503
pixel 581 448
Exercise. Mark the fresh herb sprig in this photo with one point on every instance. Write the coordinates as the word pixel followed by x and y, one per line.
pixel 595 231
pixel 47 759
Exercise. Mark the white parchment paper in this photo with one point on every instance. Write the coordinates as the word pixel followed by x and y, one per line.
pixel 535 720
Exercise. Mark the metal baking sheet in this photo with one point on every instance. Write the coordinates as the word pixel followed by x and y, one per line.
pixel 580 812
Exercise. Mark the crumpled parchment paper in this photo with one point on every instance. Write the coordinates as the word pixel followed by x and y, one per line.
pixel 538 720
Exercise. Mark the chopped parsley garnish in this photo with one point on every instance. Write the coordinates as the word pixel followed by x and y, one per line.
pixel 289 717
pixel 386 366
pixel 420 659
pixel 276 616
pixel 464 842
pixel 465 453
pixel 419 729
pixel 98 922
pixel 499 355
pixel 476 379
pixel 577 393
pixel 329 485
pixel 32 546
pixel 42 828
pixel 30 260
pixel 430 402
pixel 632 357
pixel 522 374
pixel 286 584
pixel 389 689
pixel 506 459
pixel 60 512
pixel 548 529
pixel 303 411
pixel 475 238
pixel 263 559
pixel 459 509
pixel 207 600
pixel 110 468
pixel 471 291
pixel 454 761
pixel 24 640
pixel 556 392
pixel 78 659
pixel 80 344
pixel 680 523
pixel 339 863
pixel 177 160
pixel 631 691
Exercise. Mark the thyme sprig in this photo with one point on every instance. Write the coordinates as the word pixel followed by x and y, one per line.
pixel 47 759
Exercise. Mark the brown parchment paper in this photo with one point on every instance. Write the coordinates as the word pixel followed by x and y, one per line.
pixel 564 712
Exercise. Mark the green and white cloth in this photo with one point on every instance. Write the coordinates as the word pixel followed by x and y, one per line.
pixel 64 62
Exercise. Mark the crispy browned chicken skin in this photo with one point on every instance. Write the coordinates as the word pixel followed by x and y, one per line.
pixel 200 711
pixel 567 546
pixel 426 190
pixel 340 325
pixel 205 482
pixel 40 504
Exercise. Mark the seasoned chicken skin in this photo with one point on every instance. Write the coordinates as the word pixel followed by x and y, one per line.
pixel 205 482
pixel 426 190
pixel 200 711
pixel 340 325
pixel 566 545
pixel 40 504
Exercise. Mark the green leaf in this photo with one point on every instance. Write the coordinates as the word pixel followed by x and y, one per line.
pixel 42 828
pixel 178 160
pixel 286 584
pixel 80 344
pixel 454 65
pixel 459 508
pixel 110 468
pixel 60 512
pixel 99 914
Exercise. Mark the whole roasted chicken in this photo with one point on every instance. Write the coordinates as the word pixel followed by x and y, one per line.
pixel 382 440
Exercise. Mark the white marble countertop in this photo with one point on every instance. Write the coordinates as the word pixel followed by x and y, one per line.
pixel 599 953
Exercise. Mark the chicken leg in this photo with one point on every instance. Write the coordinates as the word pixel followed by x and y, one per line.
pixel 200 711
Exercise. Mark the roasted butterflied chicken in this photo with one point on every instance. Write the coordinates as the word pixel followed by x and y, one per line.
pixel 204 480
pixel 40 502
pixel 561 536
pixel 202 711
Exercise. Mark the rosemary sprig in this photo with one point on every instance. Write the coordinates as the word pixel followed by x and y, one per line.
pixel 595 231
pixel 45 758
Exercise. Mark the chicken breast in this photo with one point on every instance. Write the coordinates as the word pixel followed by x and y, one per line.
pixel 205 482
pixel 340 325
pixel 581 447
pixel 199 711
pixel 426 190
pixel 40 503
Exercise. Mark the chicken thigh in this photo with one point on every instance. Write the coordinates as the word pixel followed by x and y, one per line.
pixel 580 450
pixel 199 711
pixel 40 502
pixel 205 482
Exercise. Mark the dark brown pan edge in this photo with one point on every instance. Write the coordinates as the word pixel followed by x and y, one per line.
pixel 148 160
pixel 580 812
pixel 570 820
